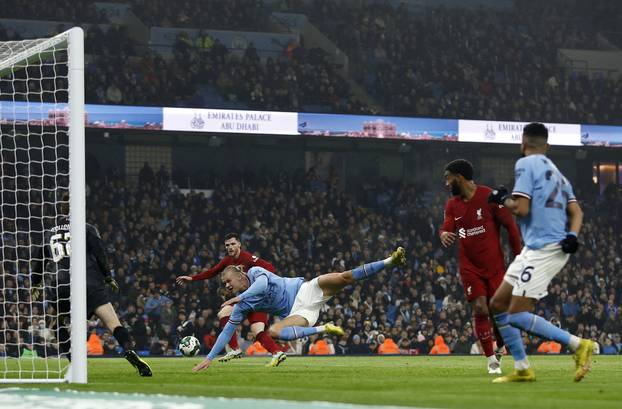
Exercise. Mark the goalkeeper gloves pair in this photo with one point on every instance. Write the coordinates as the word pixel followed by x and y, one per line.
pixel 37 291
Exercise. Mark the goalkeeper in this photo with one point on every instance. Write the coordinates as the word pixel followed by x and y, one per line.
pixel 56 248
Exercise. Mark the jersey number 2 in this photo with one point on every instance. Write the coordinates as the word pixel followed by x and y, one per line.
pixel 550 201
pixel 61 246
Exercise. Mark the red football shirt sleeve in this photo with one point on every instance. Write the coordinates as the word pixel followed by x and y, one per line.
pixel 449 223
pixel 250 260
pixel 505 218
pixel 259 262
pixel 211 272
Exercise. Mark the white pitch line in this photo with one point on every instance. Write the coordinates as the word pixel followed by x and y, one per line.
pixel 20 398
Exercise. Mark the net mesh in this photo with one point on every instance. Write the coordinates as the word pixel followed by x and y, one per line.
pixel 34 151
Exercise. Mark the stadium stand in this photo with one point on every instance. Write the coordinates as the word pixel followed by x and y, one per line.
pixel 154 233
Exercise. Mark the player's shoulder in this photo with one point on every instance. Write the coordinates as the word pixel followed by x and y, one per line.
pixel 92 230
pixel 256 270
pixel 533 161
pixel 452 201
pixel 484 190
pixel 245 255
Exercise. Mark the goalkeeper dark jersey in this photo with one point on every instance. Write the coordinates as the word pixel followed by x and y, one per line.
pixel 56 248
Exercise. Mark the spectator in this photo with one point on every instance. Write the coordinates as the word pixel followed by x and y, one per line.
pixel 387 346
pixel 440 347
pixel 357 347
pixel 94 345
pixel 323 346
pixel 256 349
pixel 549 347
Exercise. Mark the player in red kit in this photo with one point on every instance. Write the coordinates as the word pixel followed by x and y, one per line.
pixel 258 320
pixel 477 223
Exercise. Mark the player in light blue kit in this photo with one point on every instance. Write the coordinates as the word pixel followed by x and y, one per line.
pixel 550 219
pixel 296 301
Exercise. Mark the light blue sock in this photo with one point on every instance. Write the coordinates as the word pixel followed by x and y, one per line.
pixel 290 333
pixel 511 336
pixel 368 270
pixel 537 325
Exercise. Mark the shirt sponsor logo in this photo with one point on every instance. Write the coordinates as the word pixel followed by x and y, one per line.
pixel 475 231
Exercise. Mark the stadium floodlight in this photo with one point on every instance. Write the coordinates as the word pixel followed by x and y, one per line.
pixel 42 157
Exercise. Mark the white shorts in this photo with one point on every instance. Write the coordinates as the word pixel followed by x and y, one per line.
pixel 531 271
pixel 309 301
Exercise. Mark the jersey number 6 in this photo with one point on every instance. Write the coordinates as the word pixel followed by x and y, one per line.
pixel 61 246
pixel 526 274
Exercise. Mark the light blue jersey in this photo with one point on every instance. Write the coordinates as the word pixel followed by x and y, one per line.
pixel 538 179
pixel 268 292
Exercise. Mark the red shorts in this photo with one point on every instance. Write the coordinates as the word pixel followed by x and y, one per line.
pixel 255 316
pixel 477 286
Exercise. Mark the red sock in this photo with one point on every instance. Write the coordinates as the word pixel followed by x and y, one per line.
pixel 233 342
pixel 483 331
pixel 266 340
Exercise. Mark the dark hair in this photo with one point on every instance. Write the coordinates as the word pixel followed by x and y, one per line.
pixel 536 130
pixel 232 236
pixel 460 167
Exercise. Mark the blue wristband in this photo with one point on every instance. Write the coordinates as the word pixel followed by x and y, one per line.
pixel 571 233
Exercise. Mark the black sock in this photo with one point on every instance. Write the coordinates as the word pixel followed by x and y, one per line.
pixel 123 337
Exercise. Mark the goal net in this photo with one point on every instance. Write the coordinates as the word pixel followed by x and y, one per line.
pixel 42 159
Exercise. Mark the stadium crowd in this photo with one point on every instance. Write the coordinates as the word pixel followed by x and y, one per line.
pixel 478 63
pixel 306 227
pixel 438 71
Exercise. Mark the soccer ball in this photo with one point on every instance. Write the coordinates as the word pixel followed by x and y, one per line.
pixel 189 346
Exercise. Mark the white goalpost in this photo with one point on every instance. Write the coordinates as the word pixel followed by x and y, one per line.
pixel 42 158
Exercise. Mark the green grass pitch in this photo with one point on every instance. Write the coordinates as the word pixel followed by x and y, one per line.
pixel 433 382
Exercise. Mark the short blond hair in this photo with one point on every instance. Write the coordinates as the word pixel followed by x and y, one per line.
pixel 234 269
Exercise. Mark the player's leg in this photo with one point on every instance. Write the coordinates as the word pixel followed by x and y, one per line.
pixel 108 316
pixel 333 283
pixel 304 315
pixel 223 318
pixel 544 264
pixel 475 289
pixel 259 322
pixel 291 327
pixel 492 284
pixel 499 306
pixel 483 331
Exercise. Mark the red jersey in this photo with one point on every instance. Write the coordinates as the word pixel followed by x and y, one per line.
pixel 477 224
pixel 245 258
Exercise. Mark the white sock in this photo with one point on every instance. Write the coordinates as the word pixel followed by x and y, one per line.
pixel 521 364
pixel 574 342
pixel 492 360
pixel 320 328
pixel 387 261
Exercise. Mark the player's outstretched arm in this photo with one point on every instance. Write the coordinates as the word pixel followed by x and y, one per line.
pixel 211 272
pixel 204 364
pixel 181 280
pixel 237 316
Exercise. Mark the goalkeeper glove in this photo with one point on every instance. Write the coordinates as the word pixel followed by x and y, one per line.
pixel 570 244
pixel 36 292
pixel 112 283
pixel 498 195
